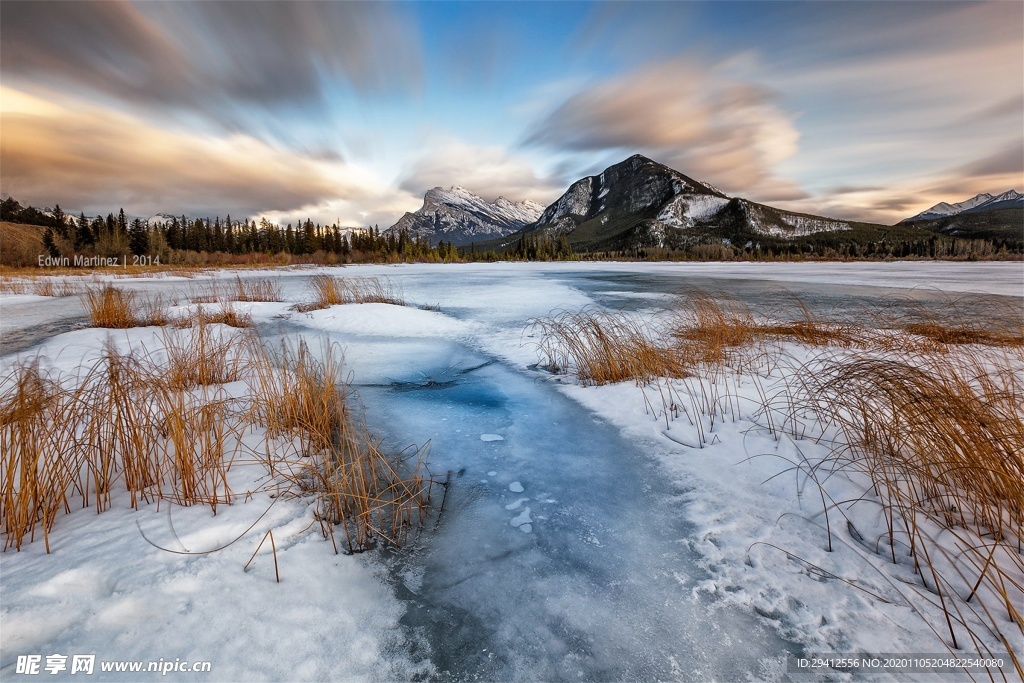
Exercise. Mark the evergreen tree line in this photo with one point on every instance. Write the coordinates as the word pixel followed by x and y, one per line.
pixel 190 241
pixel 185 240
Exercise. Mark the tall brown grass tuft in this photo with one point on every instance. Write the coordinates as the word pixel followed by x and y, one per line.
pixel 601 348
pixel 127 422
pixel 112 307
pixel 201 356
pixel 37 469
pixel 256 290
pixel 163 426
pixel 332 291
pixel 225 314
pixel 370 495
pixel 942 439
pixel 109 306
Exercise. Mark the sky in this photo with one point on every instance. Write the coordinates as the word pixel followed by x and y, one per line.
pixel 349 112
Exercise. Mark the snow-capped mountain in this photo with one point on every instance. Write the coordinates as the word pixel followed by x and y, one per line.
pixel 161 218
pixel 640 202
pixel 982 202
pixel 1011 199
pixel 458 216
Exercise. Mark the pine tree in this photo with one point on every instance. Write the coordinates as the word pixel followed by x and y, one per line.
pixel 83 234
pixel 48 242
pixel 138 238
pixel 60 222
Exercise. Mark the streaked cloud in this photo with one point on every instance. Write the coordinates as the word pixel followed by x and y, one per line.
pixel 214 57
pixel 688 115
pixel 90 158
pixel 333 110
pixel 488 171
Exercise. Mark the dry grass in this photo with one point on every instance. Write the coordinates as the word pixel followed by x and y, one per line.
pixel 332 291
pixel 941 437
pixel 932 412
pixel 37 469
pixel 371 495
pixel 162 426
pixel 225 314
pixel 602 348
pixel 201 356
pixel 946 334
pixel 256 290
pixel 111 307
pixel 700 331
pixel 126 424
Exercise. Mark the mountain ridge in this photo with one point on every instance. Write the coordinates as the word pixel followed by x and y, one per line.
pixel 641 203
pixel 984 201
pixel 461 217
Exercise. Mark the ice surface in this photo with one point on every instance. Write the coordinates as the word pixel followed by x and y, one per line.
pixel 643 566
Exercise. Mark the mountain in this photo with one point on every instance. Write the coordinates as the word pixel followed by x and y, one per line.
pixel 641 203
pixel 458 216
pixel 1011 199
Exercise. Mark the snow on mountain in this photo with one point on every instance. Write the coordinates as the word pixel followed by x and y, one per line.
pixel 980 202
pixel 161 218
pixel 1011 199
pixel 640 202
pixel 458 216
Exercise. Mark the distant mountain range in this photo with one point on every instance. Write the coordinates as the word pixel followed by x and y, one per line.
pixel 458 216
pixel 1011 199
pixel 635 203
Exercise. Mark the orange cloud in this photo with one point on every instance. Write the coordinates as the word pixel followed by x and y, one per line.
pixel 84 157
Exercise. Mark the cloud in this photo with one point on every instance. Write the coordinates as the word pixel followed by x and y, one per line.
pixel 92 159
pixel 1005 162
pixel 693 117
pixel 994 172
pixel 489 171
pixel 211 57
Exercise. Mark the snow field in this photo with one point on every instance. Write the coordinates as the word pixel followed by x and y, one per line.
pixel 746 482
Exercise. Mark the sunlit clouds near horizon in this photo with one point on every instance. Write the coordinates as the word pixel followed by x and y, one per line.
pixel 349 112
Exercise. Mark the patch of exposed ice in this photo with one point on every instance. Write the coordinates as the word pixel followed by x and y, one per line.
pixel 523 518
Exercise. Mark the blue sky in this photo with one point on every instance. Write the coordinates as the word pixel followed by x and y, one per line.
pixel 350 111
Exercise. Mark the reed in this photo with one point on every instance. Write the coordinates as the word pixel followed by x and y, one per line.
pixel 126 423
pixel 929 412
pixel 370 495
pixel 37 469
pixel 601 348
pixel 333 291
pixel 111 307
pixel 256 290
pixel 201 355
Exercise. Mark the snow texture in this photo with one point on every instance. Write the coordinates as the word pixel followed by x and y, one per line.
pixel 632 553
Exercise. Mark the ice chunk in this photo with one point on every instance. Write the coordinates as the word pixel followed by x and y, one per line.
pixel 491 437
pixel 516 487
pixel 522 518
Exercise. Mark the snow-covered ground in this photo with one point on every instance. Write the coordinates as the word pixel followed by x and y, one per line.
pixel 584 536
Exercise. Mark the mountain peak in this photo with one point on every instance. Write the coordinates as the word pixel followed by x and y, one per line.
pixel 459 216
pixel 976 204
pixel 640 202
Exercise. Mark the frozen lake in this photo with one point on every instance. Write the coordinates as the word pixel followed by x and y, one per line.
pixel 564 551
